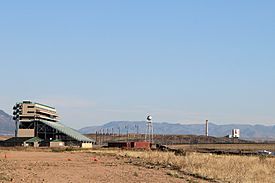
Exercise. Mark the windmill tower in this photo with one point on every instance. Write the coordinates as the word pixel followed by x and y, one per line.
pixel 149 130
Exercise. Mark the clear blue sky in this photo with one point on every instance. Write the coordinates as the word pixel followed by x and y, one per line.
pixel 181 61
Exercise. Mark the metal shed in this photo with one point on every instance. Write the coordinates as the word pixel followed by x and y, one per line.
pixel 33 142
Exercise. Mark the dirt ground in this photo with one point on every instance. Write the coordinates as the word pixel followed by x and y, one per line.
pixel 32 166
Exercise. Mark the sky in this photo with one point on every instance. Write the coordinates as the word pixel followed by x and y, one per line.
pixel 180 61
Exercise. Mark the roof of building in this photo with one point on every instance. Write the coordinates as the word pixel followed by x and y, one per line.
pixel 34 139
pixel 17 139
pixel 44 105
pixel 68 131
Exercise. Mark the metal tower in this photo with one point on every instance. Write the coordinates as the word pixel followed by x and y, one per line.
pixel 149 136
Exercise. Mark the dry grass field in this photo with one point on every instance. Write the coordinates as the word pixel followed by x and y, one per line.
pixel 244 147
pixel 213 168
pixel 115 165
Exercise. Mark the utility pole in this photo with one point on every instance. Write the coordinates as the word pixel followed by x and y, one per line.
pixel 103 135
pixel 127 131
pixel 136 126
pixel 119 131
pixel 206 128
pixel 99 135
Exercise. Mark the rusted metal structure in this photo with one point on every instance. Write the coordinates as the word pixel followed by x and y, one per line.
pixel 131 145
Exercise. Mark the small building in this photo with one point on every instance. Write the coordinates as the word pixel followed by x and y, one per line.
pixel 86 145
pixel 57 143
pixel 34 142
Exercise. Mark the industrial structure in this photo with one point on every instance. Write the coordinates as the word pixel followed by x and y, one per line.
pixel 235 133
pixel 149 136
pixel 206 128
pixel 134 143
pixel 38 125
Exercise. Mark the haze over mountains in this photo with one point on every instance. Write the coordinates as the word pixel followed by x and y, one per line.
pixel 7 127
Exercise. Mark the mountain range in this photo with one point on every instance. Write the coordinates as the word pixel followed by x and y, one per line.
pixel 247 131
pixel 263 132
pixel 7 124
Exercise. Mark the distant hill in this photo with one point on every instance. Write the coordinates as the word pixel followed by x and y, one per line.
pixel 7 125
pixel 247 131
